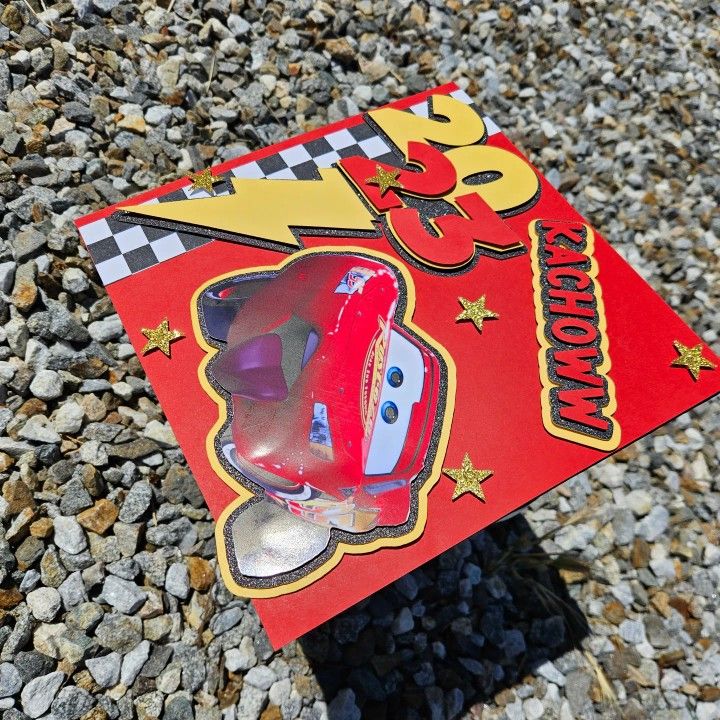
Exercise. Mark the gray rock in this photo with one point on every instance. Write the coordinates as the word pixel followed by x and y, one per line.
pixel 194 670
pixel 261 677
pixel 105 669
pixel 119 632
pixel 577 691
pixel 77 112
pixel 157 662
pixel 237 25
pixel 514 643
pixel 158 114
pixel 85 616
pixel 123 595
pixel 403 622
pixel 655 524
pixel 639 501
pixel 136 503
pixel 81 561
pixel 37 696
pixel 31 664
pixel 19 636
pixel 10 680
pixel 11 713
pixel 657 634
pixel 280 691
pixel 75 498
pixel 105 330
pixel 7 276
pixel 407 585
pixel 624 525
pixel 454 701
pixel 93 452
pixel 632 631
pixel 64 325
pixel 169 679
pixel 68 418
pixel 177 580
pixel 72 590
pixel 133 663
pixel 344 707
pixel 28 241
pixel 69 536
pixel 128 536
pixel 242 657
pixel 46 385
pixel 18 335
pixel 125 568
pixel 161 433
pixel 71 703
pixel 533 709
pixel 707 711
pixel 672 680
pixel 38 429
pixel 551 673
pixel 15 448
pixel 292 705
pixel 44 603
pixel 222 622
pixel 252 701
pixel 180 708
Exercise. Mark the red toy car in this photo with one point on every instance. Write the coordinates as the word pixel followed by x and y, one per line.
pixel 333 403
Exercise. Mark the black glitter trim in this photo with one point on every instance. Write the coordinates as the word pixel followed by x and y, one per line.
pixel 337 535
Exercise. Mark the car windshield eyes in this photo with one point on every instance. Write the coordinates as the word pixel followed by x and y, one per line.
pixel 299 343
pixel 389 412
pixel 252 369
pixel 221 302
pixel 395 377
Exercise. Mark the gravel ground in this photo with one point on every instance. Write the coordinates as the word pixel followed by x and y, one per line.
pixel 601 601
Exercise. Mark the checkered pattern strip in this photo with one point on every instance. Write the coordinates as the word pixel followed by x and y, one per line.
pixel 120 249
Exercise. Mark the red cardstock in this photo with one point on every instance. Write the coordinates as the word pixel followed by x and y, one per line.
pixel 511 385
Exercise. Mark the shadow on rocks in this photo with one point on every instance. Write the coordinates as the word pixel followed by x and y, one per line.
pixel 453 634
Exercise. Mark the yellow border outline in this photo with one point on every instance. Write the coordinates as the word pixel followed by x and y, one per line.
pixel 602 369
pixel 245 495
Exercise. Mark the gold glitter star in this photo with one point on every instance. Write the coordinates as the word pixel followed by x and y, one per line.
pixel 159 338
pixel 691 358
pixel 468 479
pixel 203 180
pixel 475 311
pixel 384 179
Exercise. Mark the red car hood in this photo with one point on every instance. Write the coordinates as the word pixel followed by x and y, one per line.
pixel 345 328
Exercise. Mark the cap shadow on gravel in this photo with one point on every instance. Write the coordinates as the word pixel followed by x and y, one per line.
pixel 477 620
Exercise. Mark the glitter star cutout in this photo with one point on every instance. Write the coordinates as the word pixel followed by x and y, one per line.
pixel 468 479
pixel 159 338
pixel 384 179
pixel 204 180
pixel 692 359
pixel 475 311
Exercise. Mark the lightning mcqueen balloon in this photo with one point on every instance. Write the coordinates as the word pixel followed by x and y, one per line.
pixel 332 402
